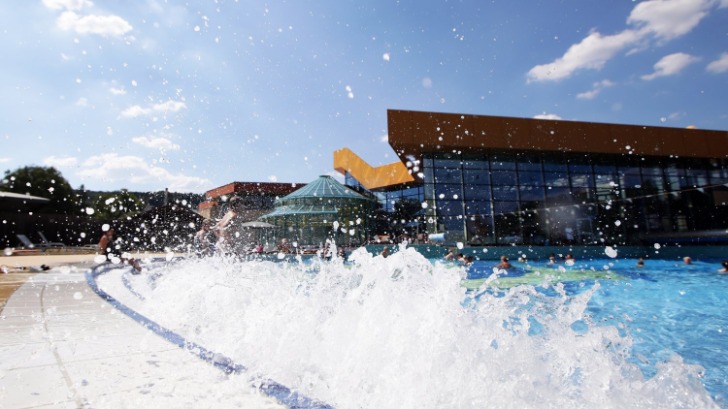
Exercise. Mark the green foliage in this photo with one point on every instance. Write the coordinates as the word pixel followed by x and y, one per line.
pixel 43 182
pixel 116 206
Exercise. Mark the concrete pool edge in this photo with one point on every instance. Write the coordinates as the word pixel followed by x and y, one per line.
pixel 283 394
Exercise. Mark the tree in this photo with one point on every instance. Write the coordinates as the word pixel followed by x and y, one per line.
pixel 43 182
pixel 117 206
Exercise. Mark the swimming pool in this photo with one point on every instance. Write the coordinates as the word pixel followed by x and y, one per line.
pixel 406 331
pixel 667 307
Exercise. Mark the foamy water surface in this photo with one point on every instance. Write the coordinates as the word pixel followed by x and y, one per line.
pixel 404 332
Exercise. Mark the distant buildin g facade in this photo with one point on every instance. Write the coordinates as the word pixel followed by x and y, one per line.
pixel 486 180
pixel 258 198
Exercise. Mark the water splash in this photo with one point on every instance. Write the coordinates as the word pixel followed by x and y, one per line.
pixel 402 331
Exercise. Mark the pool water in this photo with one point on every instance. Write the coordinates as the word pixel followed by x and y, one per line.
pixel 406 331
pixel 667 307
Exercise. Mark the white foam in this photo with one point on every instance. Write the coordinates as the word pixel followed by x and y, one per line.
pixel 401 331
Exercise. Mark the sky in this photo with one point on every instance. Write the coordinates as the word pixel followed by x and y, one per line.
pixel 152 94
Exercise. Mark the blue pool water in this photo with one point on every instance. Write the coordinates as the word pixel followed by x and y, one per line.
pixel 667 307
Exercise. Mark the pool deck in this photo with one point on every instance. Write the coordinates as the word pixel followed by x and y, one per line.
pixel 63 346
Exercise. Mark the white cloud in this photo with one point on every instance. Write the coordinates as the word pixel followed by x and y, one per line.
pixel 589 94
pixel 135 111
pixel 669 19
pixel 591 53
pixel 721 64
pixel 547 116
pixel 597 87
pixel 82 102
pixel 664 19
pixel 60 162
pixel 671 65
pixel 164 107
pixel 67 4
pixel 156 143
pixel 4 160
pixel 117 91
pixel 135 173
pixel 107 26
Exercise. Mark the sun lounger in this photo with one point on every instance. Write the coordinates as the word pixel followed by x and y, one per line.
pixel 25 241
pixel 48 243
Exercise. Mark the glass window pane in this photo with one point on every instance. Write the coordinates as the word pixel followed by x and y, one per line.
pixel 477 208
pixel 475 164
pixel 498 164
pixel 580 180
pixel 529 163
pixel 505 192
pixel 447 175
pixel 503 207
pixel 445 191
pixel 556 179
pixel 558 192
pixel 448 163
pixel 476 176
pixel 449 208
pixel 532 194
pixel 530 178
pixel 555 167
pixel 477 192
pixel 580 166
pixel 503 177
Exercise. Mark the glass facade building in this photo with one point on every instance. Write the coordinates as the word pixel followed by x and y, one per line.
pixel 485 180
pixel 548 198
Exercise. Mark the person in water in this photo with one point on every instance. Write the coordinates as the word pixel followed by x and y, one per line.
pixel 205 239
pixel 227 228
pixel 687 260
pixel 569 259
pixel 449 255
pixel 724 270
pixel 640 262
pixel 504 263
pixel 111 249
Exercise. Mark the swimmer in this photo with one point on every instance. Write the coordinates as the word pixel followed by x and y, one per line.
pixel 569 259
pixel 687 260
pixel 504 264
pixel 449 255
pixel 724 270
pixel 640 262
pixel 109 247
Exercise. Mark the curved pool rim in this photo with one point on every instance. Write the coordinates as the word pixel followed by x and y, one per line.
pixel 281 393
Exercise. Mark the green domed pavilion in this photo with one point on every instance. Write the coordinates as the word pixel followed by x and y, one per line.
pixel 321 210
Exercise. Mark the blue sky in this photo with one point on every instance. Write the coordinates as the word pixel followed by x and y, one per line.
pixel 154 94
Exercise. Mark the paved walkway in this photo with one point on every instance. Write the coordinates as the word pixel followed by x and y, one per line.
pixel 62 346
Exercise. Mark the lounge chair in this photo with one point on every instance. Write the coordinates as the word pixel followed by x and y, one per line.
pixel 48 243
pixel 25 241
